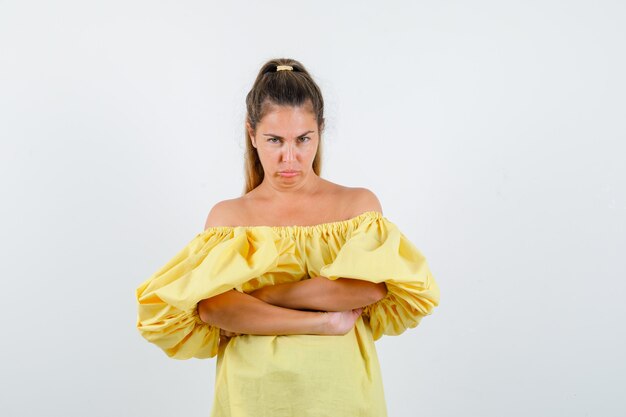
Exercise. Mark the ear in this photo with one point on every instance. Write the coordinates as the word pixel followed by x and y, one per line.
pixel 251 134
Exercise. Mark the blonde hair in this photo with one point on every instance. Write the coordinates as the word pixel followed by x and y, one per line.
pixel 279 88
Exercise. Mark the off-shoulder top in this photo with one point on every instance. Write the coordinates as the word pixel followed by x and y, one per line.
pixel 367 247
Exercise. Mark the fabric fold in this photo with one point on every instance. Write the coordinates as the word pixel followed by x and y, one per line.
pixel 367 247
pixel 215 261
pixel 377 251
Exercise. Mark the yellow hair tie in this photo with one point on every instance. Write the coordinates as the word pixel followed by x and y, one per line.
pixel 284 67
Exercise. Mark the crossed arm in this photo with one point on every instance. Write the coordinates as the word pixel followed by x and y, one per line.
pixel 322 294
pixel 276 309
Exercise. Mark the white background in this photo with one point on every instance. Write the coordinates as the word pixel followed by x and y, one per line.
pixel 492 132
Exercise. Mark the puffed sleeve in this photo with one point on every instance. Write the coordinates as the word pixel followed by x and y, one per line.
pixel 376 251
pixel 215 261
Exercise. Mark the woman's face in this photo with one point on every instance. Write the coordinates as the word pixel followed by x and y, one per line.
pixel 286 140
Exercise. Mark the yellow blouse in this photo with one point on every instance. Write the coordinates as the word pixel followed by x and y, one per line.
pixel 289 375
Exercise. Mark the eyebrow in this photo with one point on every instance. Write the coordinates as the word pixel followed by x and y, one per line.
pixel 280 137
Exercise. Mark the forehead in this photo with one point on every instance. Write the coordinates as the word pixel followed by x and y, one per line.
pixel 287 118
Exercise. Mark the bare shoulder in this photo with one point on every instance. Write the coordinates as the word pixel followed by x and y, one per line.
pixel 224 213
pixel 362 199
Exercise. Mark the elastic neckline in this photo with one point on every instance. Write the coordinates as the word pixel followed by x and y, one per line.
pixel 304 228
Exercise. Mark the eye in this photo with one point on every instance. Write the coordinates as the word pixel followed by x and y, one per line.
pixel 305 137
pixel 270 139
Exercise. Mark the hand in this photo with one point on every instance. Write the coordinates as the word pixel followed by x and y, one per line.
pixel 341 322
pixel 228 334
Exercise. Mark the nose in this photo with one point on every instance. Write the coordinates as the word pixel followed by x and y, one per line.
pixel 288 152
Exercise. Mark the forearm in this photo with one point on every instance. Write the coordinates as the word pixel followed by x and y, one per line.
pixel 242 313
pixel 323 294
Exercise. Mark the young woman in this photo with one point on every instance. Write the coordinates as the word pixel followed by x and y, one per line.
pixel 290 284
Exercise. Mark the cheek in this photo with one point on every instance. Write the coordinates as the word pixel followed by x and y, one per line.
pixel 271 153
pixel 312 151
